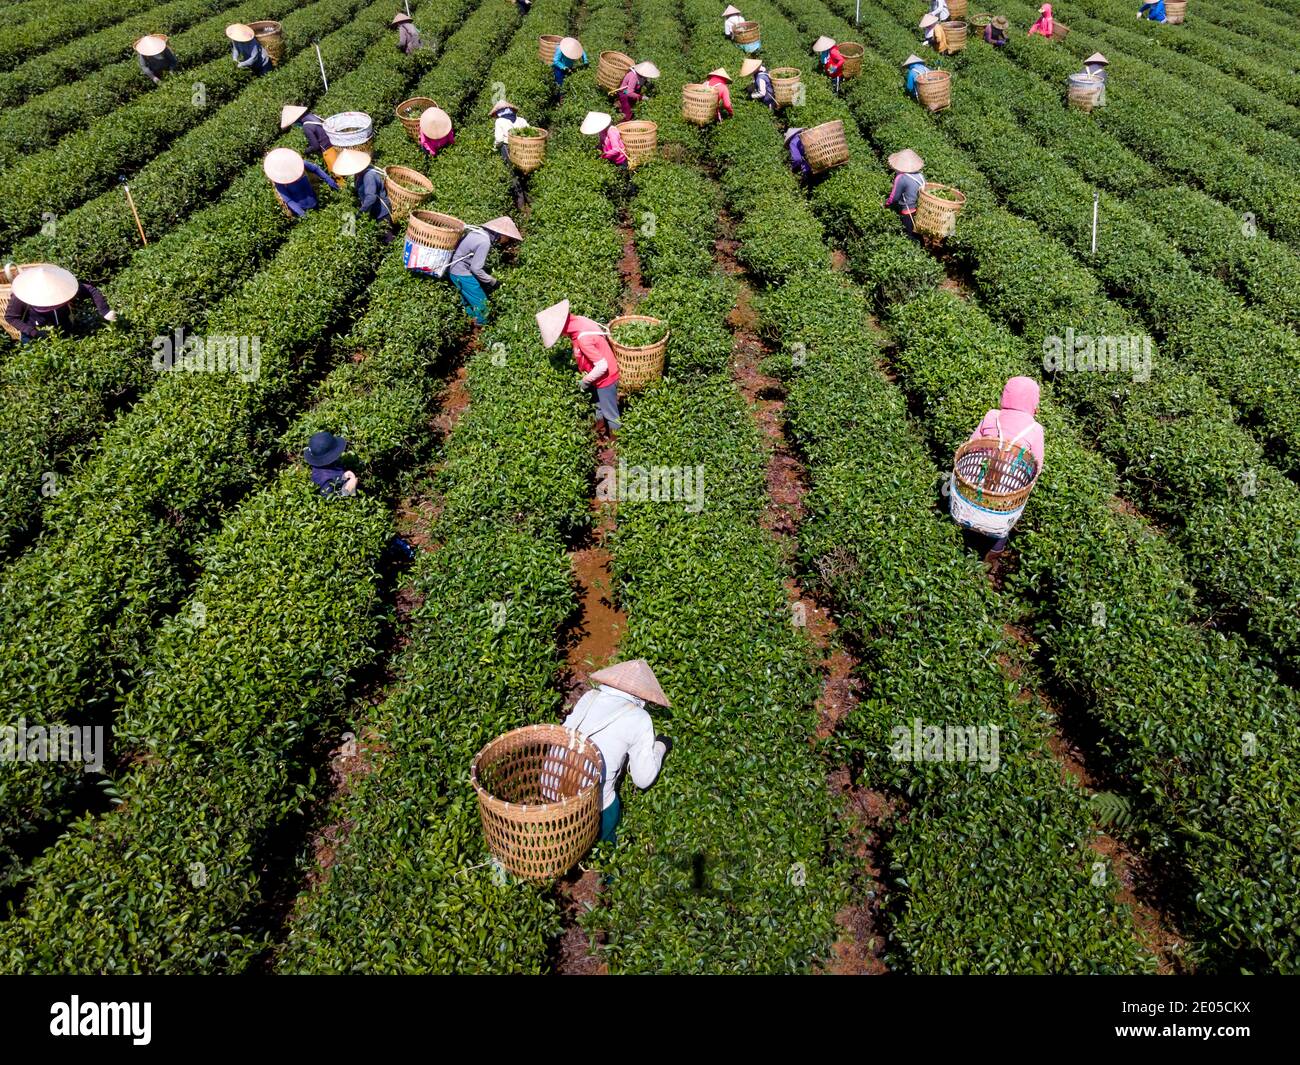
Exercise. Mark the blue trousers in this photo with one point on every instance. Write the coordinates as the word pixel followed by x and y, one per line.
pixel 609 818
pixel 559 76
pixel 472 296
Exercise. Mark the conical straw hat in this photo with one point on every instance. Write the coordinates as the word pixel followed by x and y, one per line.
pixel 237 31
pixel 435 123
pixel 283 166
pixel 350 161
pixel 45 286
pixel 646 69
pixel 635 678
pixel 749 66
pixel 290 113
pixel 719 73
pixel 823 43
pixel 1097 57
pixel 929 19
pixel 595 122
pixel 401 17
pixel 502 105
pixel 551 322
pixel 505 226
pixel 906 162
pixel 571 47
pixel 154 44
pixel 913 58
pixel 729 11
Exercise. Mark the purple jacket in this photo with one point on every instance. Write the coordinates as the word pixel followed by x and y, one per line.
pixel 29 321
pixel 798 161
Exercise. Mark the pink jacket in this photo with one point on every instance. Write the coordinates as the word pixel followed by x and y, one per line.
pixel 611 146
pixel 1016 417
pixel 1044 23
pixel 434 147
pixel 724 94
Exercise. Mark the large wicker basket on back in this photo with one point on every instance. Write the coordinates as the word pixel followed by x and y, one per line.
pixel 406 189
pixel 934 90
pixel 955 32
pixel 271 37
pixel 990 484
pixel 785 85
pixel 1175 12
pixel 825 146
pixel 957 9
pixel 937 208
pixel 699 103
pixel 638 366
pixel 745 32
pixel 539 799
pixel 527 151
pixel 434 230
pixel 852 53
pixel 640 141
pixel 1084 91
pixel 1059 30
pixel 7 275
pixel 409 112
pixel 611 69
pixel 351 129
pixel 546 45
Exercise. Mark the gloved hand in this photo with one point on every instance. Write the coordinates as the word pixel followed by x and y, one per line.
pixel 583 384
pixel 666 742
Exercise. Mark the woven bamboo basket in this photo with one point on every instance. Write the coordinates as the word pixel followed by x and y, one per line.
pixel 978 21
pixel 527 153
pixel 434 230
pixel 936 216
pixel 539 792
pixel 611 69
pixel 699 103
pixel 1175 12
pixel 745 33
pixel 934 90
pixel 825 146
pixel 637 367
pixel 271 37
pixel 957 10
pixel 992 478
pixel 852 53
pixel 351 129
pixel 411 124
pixel 1060 30
pixel 785 85
pixel 640 141
pixel 407 189
pixel 956 34
pixel 1084 91
pixel 7 275
pixel 546 45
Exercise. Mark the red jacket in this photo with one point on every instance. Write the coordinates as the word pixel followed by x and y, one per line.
pixel 590 345
pixel 834 61
pixel 724 94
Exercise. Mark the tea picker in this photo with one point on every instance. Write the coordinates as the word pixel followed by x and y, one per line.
pixel 909 180
pixel 633 86
pixel 719 80
pixel 935 35
pixel 291 176
pixel 995 33
pixel 468 267
pixel 313 126
pixel 593 354
pixel 323 454
pixel 507 118
pixel 524 7
pixel 568 54
pixel 798 159
pixel 1096 65
pixel 1044 24
pixel 45 297
pixel 939 9
pixel 611 141
pixel 436 132
pixel 408 37
pixel 731 18
pixel 831 60
pixel 155 57
pixel 1153 11
pixel 913 67
pixel 614 718
pixel 998 466
pixel 763 92
pixel 372 194
pixel 245 51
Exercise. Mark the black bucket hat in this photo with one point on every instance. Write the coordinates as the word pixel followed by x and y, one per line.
pixel 325 448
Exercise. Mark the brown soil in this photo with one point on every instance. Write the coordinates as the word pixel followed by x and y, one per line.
pixel 579 892
pixel 629 269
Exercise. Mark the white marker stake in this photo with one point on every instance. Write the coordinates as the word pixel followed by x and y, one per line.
pixel 1096 197
pixel 857 14
pixel 320 60
pixel 407 4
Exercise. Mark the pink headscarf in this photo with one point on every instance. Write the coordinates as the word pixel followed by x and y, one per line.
pixel 1016 417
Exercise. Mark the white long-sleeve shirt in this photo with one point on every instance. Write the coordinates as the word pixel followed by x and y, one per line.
pixel 732 21
pixel 619 725
pixel 501 131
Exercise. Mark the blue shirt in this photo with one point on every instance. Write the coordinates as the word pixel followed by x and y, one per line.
pixel 798 162
pixel 564 62
pixel 372 194
pixel 314 127
pixel 251 55
pixel 1155 11
pixel 299 196
pixel 914 72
